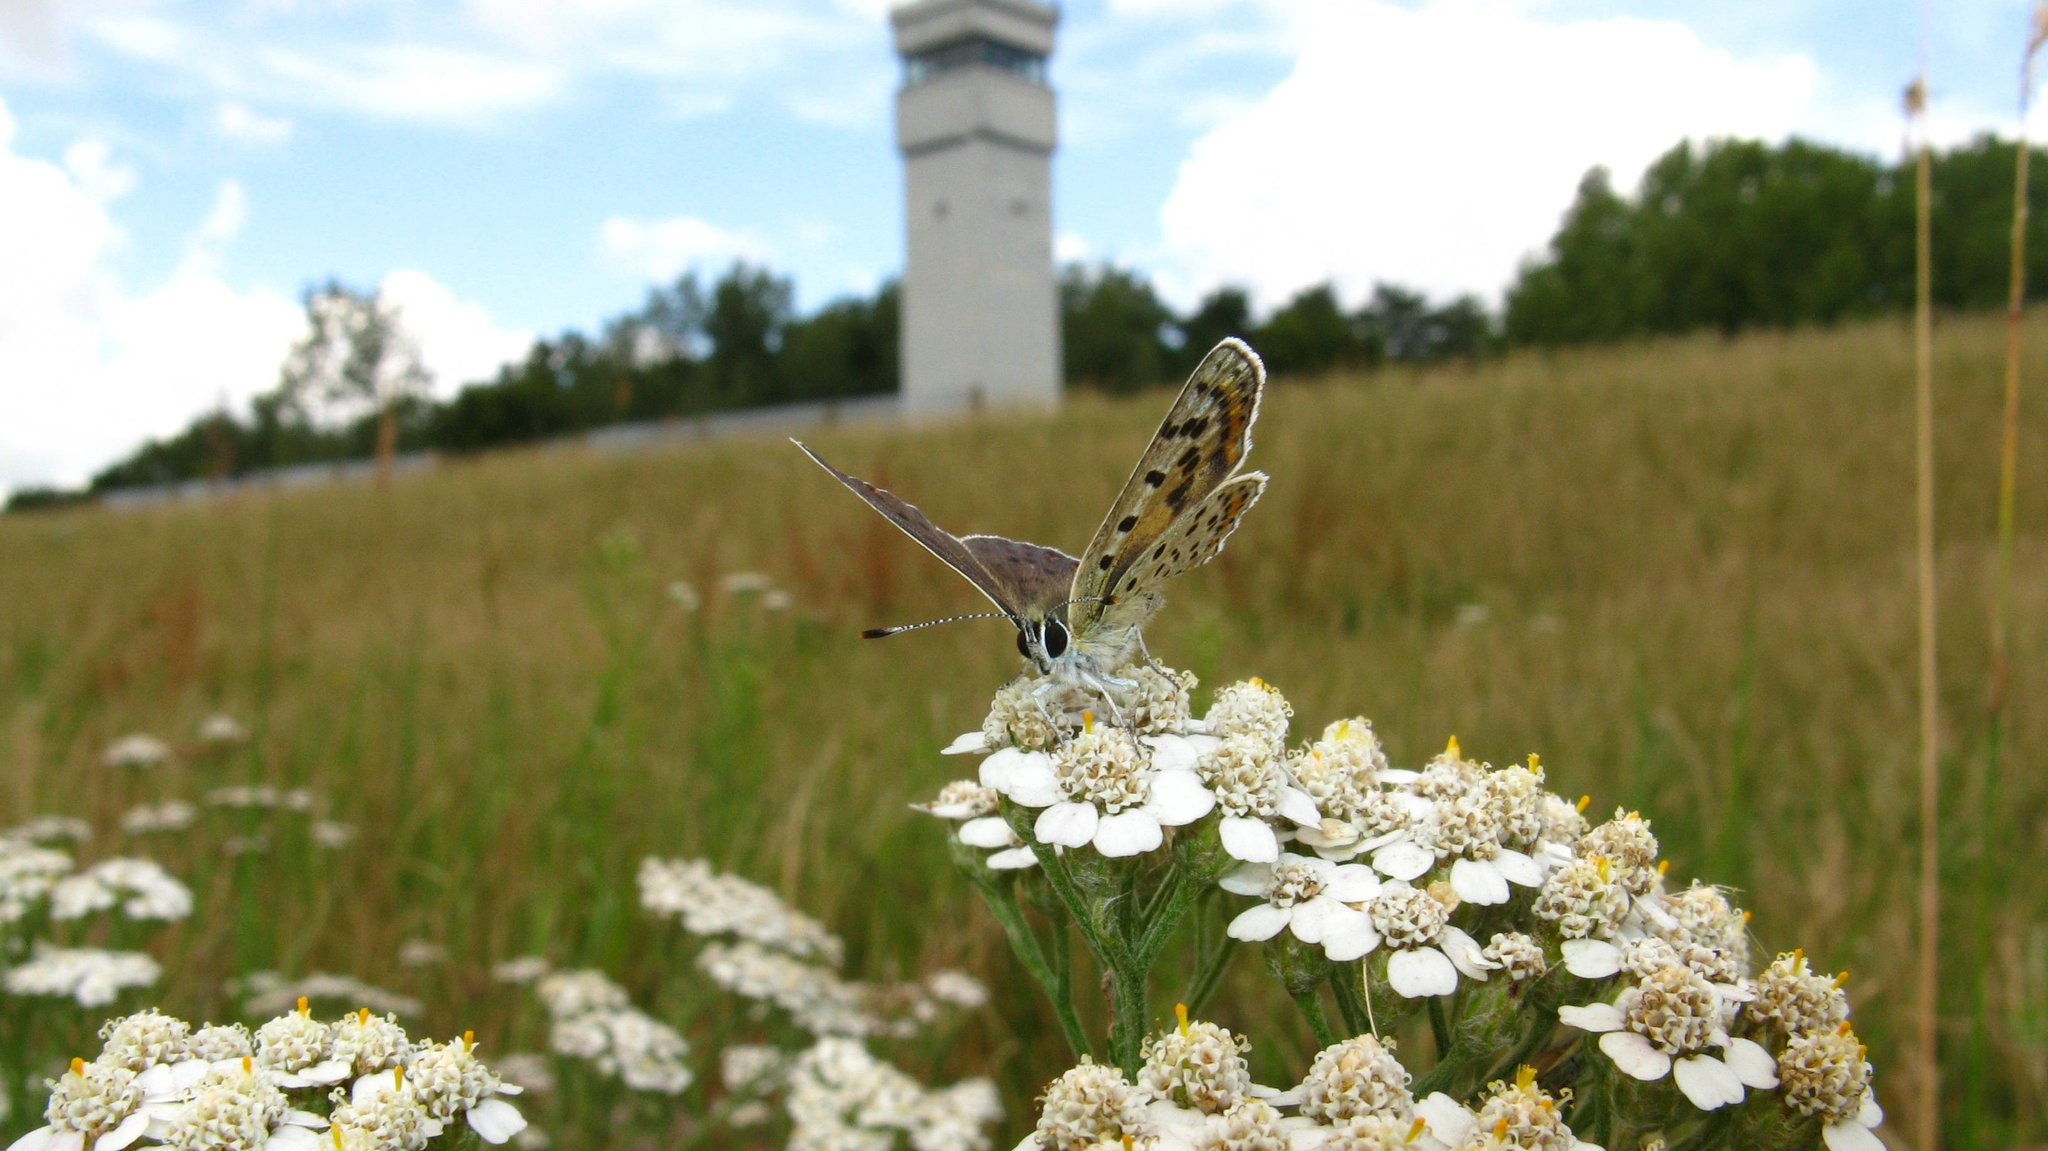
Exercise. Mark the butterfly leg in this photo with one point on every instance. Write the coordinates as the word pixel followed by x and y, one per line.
pixel 1091 681
pixel 1105 687
pixel 1151 660
pixel 1044 712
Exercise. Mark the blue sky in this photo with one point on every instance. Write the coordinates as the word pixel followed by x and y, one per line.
pixel 174 173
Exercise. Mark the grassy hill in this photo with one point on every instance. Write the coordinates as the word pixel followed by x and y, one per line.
pixel 1680 571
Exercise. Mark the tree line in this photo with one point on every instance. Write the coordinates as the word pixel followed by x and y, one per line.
pixel 1736 234
pixel 1722 235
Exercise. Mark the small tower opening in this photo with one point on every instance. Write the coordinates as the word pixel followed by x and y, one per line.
pixel 970 52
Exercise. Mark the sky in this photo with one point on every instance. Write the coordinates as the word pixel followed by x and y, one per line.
pixel 174 174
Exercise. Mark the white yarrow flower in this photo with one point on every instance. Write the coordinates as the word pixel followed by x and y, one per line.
pixel 1253 791
pixel 87 975
pixel 1104 789
pixel 1666 1025
pixel 138 750
pixel 1309 897
pixel 1426 955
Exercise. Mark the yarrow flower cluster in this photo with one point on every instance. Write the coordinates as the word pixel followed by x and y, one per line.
pixel 767 951
pixel 139 750
pixel 90 976
pixel 28 871
pixel 594 1020
pixel 710 903
pixel 141 889
pixel 158 1081
pixel 1376 889
pixel 838 1094
pixel 41 896
pixel 149 818
pixel 834 1092
pixel 273 993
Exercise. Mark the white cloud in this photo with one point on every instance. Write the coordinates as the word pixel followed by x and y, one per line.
pixel 660 250
pixel 683 38
pixel 1435 146
pixel 459 342
pixel 32 37
pixel 148 37
pixel 473 64
pixel 413 81
pixel 100 180
pixel 239 122
pixel 225 219
pixel 90 368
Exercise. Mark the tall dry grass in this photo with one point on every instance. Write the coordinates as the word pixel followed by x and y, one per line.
pixel 1677 570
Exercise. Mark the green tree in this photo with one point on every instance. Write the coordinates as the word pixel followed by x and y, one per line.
pixel 1581 289
pixel 748 311
pixel 1113 329
pixel 1401 325
pixel 1311 333
pixel 1227 311
pixel 848 348
pixel 1973 223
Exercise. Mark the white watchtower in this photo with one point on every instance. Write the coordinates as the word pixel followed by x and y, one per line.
pixel 974 119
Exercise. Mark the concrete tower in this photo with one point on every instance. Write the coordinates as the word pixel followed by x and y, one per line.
pixel 975 122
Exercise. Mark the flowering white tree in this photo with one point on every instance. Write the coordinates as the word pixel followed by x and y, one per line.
pixel 356 357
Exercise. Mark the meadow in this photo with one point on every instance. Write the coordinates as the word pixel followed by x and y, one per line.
pixel 1681 571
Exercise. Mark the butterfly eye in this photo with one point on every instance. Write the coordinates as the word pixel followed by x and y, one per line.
pixel 1024 643
pixel 1054 637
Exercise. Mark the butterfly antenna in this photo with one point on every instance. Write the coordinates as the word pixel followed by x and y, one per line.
pixel 1107 599
pixel 879 632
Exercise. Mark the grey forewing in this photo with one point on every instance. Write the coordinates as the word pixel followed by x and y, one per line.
pixel 1038 578
pixel 935 539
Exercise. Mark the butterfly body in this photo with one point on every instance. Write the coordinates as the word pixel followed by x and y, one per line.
pixel 1079 619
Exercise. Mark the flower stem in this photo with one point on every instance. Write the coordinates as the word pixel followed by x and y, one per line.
pixel 1351 1000
pixel 1311 1003
pixel 1063 1002
pixel 1054 978
pixel 1168 906
pixel 1128 1013
pixel 1216 955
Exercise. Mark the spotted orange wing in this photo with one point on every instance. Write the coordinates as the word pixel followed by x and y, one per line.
pixel 1160 511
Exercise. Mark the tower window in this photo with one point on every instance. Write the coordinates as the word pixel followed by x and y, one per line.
pixel 932 63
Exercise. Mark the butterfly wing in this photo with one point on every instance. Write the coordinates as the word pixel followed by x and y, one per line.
pixel 1037 578
pixel 956 553
pixel 1190 542
pixel 1200 443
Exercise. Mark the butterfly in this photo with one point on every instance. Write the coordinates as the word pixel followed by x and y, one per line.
pixel 1080 619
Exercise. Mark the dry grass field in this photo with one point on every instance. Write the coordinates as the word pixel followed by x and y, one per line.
pixel 1681 571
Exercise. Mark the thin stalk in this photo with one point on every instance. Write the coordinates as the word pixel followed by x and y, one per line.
pixel 1989 799
pixel 2008 456
pixel 1351 1001
pixel 1108 946
pixel 1053 977
pixel 1128 1011
pixel 1439 1027
pixel 1063 969
pixel 1928 1129
pixel 1216 956
pixel 1310 1000
pixel 1169 906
